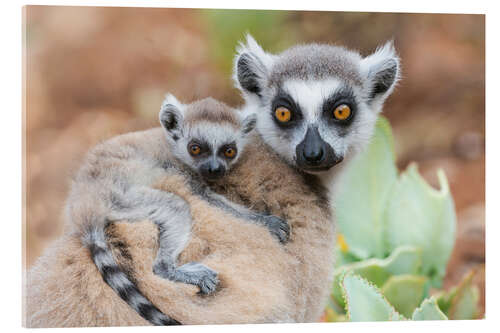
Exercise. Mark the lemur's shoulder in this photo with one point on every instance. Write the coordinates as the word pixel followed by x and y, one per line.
pixel 136 139
pixel 147 142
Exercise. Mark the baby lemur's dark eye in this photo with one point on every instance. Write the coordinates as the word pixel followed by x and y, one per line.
pixel 230 152
pixel 194 149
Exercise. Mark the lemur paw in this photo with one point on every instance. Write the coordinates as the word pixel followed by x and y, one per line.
pixel 161 268
pixel 200 275
pixel 278 227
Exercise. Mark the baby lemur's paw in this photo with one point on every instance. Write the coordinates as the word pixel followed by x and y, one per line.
pixel 200 275
pixel 163 269
pixel 278 227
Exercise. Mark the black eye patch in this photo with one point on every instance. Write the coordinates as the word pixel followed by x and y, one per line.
pixel 344 95
pixel 204 147
pixel 283 99
pixel 223 147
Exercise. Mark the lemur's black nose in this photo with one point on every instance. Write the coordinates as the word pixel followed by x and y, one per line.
pixel 212 170
pixel 313 151
pixel 314 156
pixel 216 170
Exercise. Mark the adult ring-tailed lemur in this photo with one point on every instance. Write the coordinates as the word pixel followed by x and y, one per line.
pixel 316 105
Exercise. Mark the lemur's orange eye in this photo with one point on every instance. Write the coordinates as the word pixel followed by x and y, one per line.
pixel 230 152
pixel 342 112
pixel 194 149
pixel 283 114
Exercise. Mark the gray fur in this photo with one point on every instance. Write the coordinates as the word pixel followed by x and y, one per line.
pixel 116 183
pixel 316 62
pixel 315 77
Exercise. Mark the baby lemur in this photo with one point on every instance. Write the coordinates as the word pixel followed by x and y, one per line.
pixel 203 141
pixel 316 107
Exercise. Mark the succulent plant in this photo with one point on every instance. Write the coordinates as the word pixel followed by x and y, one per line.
pixel 363 195
pixel 428 310
pixel 461 301
pixel 396 234
pixel 404 260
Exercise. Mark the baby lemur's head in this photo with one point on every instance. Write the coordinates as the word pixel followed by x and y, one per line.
pixel 207 136
pixel 315 103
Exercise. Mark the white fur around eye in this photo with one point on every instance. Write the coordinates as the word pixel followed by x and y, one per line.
pixel 214 134
pixel 310 95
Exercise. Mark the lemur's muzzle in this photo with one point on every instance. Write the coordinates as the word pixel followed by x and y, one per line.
pixel 212 170
pixel 314 154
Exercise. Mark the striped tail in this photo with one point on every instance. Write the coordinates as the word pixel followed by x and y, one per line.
pixel 120 282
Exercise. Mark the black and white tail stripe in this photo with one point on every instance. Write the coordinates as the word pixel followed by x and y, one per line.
pixel 119 281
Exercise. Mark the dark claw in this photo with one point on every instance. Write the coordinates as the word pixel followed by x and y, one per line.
pixel 202 276
pixel 278 227
pixel 208 284
pixel 193 273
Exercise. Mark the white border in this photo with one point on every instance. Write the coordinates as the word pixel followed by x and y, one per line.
pixel 422 6
pixel 10 307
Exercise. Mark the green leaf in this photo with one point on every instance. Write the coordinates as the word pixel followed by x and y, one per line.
pixel 403 260
pixel 421 216
pixel 364 302
pixel 333 313
pixel 466 304
pixel 363 192
pixel 461 302
pixel 405 292
pixel 341 253
pixel 428 310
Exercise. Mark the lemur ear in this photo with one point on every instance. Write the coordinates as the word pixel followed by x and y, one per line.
pixel 248 124
pixel 382 71
pixel 251 67
pixel 171 116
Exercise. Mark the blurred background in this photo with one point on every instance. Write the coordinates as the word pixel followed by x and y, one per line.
pixel 92 73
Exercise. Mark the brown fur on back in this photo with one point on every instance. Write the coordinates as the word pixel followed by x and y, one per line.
pixel 261 280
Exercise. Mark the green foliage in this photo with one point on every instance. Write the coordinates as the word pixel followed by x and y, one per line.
pixel 396 234
pixel 405 292
pixel 361 214
pixel 364 302
pixel 419 215
pixel 429 310
pixel 226 27
pixel 460 302
pixel 404 260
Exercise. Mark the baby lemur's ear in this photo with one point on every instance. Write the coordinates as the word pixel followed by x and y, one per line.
pixel 251 67
pixel 171 116
pixel 248 124
pixel 382 71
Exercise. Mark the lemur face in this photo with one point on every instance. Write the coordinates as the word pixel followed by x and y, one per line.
pixel 207 136
pixel 315 103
